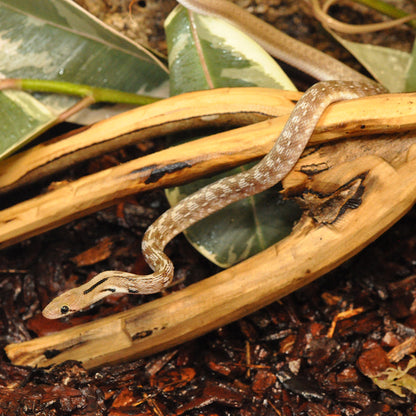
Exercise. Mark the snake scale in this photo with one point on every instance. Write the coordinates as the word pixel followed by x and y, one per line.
pixel 265 174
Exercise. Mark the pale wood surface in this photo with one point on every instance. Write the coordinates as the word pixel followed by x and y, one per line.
pixel 173 114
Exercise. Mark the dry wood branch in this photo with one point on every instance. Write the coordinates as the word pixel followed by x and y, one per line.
pixel 311 250
pixel 192 160
pixel 226 106
pixel 230 107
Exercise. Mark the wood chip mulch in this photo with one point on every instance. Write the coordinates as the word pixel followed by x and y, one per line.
pixel 312 353
pixel 317 352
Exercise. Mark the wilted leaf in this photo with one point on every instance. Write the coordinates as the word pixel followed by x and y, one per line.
pixel 395 379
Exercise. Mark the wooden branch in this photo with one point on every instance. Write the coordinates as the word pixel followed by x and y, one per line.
pixel 193 160
pixel 228 106
pixel 231 107
pixel 386 193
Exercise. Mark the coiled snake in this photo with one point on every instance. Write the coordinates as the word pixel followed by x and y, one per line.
pixel 268 172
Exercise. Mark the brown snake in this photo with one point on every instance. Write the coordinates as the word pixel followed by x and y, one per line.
pixel 268 172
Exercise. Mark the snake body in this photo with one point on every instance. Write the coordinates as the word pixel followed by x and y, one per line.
pixel 265 174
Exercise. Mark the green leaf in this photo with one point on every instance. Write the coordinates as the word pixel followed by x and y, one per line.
pixel 58 40
pixel 411 79
pixel 388 66
pixel 219 56
pixel 210 53
pixel 21 116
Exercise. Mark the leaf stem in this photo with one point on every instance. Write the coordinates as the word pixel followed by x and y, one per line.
pixel 62 87
pixel 386 9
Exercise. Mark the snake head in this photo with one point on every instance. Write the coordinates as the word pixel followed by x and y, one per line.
pixel 63 305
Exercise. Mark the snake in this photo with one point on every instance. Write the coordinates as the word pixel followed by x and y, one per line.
pixel 337 82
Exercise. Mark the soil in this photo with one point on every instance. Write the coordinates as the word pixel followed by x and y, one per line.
pixel 315 352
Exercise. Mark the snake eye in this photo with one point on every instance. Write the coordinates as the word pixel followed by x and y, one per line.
pixel 64 309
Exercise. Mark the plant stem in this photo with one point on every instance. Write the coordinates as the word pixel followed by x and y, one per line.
pixel 387 9
pixel 63 87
